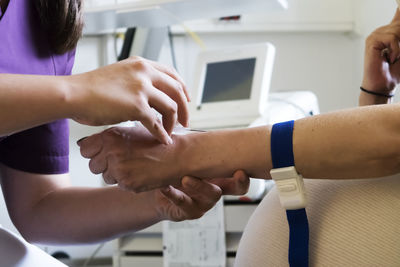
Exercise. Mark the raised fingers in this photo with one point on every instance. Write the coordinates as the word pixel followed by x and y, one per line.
pixel 163 104
pixel 175 91
pixel 174 74
pixel 153 124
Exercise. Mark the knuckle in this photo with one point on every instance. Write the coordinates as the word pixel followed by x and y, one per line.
pixel 135 58
pixel 140 85
pixel 140 64
pixel 110 134
pixel 115 156
pixel 179 86
pixel 150 122
pixel 172 108
pixel 170 69
pixel 139 110
pixel 179 92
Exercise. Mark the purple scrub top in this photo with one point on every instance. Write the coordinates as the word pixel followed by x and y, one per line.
pixel 24 49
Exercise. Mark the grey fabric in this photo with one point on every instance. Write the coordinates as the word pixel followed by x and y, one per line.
pixel 352 223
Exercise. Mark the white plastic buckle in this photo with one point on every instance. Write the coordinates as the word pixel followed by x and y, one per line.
pixel 291 187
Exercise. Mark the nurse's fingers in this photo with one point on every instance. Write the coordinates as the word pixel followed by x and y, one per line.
pixel 175 91
pixel 174 74
pixel 149 120
pixel 90 146
pixel 167 107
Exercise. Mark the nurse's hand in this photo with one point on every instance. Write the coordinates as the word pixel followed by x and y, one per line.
pixel 195 197
pixel 382 54
pixel 128 90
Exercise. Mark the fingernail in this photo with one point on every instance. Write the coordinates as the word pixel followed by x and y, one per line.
pixel 80 140
pixel 169 140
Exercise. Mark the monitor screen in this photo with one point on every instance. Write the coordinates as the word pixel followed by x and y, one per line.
pixel 228 80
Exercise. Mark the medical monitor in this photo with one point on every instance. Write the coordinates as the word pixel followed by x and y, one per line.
pixel 231 86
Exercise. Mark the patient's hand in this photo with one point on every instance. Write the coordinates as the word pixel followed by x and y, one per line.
pixel 134 159
pixel 382 54
pixel 195 197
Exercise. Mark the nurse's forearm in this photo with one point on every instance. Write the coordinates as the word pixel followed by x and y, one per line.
pixel 27 101
pixel 356 143
pixel 78 215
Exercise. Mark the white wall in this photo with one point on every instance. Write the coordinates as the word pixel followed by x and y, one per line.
pixel 327 63
pixel 321 62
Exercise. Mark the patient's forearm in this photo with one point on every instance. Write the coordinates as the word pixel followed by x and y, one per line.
pixel 220 153
pixel 356 143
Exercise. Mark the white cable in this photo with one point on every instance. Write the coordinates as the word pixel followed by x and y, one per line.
pixel 85 264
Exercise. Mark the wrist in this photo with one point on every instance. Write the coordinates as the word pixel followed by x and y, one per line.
pixel 63 90
pixel 189 146
pixel 73 95
pixel 382 88
pixel 379 94
pixel 221 153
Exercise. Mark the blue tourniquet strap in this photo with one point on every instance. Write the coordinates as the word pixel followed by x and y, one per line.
pixel 282 156
pixel 282 144
pixel 298 237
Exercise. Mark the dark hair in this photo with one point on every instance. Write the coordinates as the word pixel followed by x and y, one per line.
pixel 63 22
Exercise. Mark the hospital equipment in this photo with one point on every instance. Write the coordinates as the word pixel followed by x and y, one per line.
pixel 231 85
